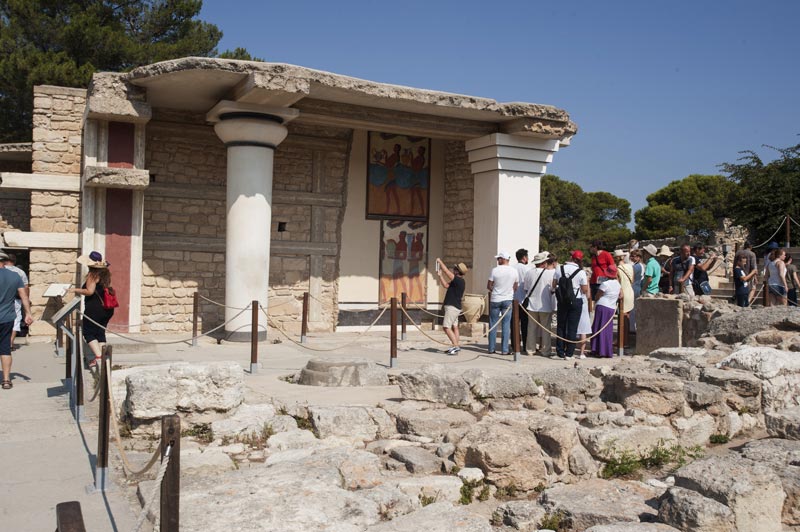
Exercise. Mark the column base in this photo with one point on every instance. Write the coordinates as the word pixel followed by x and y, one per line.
pixel 243 336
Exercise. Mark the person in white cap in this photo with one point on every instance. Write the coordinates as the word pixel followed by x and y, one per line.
pixel 503 282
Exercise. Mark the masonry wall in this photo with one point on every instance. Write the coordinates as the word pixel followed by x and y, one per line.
pixel 15 211
pixel 458 204
pixel 184 222
pixel 57 130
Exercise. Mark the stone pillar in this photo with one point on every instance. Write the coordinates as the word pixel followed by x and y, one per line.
pixel 506 171
pixel 251 134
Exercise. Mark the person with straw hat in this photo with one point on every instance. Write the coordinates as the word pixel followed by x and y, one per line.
pixel 95 315
pixel 665 259
pixel 652 270
pixel 453 282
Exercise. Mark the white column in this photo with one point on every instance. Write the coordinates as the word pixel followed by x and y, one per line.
pixel 506 171
pixel 251 134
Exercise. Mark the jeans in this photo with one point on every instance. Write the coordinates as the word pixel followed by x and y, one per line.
pixel 567 320
pixel 792 297
pixel 495 310
pixel 743 300
pixel 523 330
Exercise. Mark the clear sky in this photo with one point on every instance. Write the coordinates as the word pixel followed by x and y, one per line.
pixel 659 90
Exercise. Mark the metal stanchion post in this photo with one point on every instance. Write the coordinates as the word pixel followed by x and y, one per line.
pixel 515 328
pixel 171 485
pixel 254 338
pixel 403 316
pixel 78 381
pixel 195 316
pixel 69 517
pixel 101 462
pixel 304 325
pixel 621 331
pixel 393 335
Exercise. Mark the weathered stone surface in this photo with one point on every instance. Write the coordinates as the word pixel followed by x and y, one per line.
pixel 784 423
pixel 442 488
pixel 603 442
pixel 654 393
pixel 571 384
pixel 107 177
pixel 700 394
pixel 751 490
pixel 417 460
pixel 355 372
pixel 431 423
pixel 436 384
pixel 581 463
pixel 508 455
pixel 632 527
pixel 391 501
pixel 293 439
pixel 521 515
pixel 437 517
pixel 252 418
pixel 743 388
pixel 509 385
pixel 354 422
pixel 735 327
pixel 658 324
pixel 471 474
pixel 208 463
pixel 695 356
pixel 155 391
pixel 695 430
pixel 557 436
pixel 601 502
pixel 783 456
pixel 360 470
pixel 780 371
pixel 689 510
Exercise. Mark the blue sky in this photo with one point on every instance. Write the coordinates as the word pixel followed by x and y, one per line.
pixel 659 90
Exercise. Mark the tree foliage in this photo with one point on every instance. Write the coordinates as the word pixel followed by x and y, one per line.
pixel 63 42
pixel 690 206
pixel 572 218
pixel 768 191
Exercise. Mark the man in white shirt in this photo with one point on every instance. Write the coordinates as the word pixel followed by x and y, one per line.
pixel 503 282
pixel 519 294
pixel 568 316
pixel 541 302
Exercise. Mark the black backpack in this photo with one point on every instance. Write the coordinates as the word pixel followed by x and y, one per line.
pixel 565 293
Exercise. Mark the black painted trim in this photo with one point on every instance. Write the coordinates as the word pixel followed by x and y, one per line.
pixel 251 143
pixel 245 114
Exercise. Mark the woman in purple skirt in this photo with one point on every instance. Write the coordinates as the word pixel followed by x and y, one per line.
pixel 608 293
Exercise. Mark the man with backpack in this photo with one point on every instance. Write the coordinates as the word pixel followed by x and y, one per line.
pixel 572 290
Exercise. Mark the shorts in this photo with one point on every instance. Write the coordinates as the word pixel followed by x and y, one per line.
pixel 450 316
pixel 777 289
pixel 5 337
pixel 18 319
pixel 93 332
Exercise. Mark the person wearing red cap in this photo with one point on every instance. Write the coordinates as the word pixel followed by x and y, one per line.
pixel 568 316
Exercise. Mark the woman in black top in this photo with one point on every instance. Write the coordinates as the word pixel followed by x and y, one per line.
pixel 93 289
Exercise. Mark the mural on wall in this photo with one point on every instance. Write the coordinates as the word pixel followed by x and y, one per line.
pixel 404 255
pixel 398 177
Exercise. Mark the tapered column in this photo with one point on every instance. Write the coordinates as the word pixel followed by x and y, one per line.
pixel 251 134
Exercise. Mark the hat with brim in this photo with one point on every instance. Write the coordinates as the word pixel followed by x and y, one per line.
pixel 3 256
pixel 540 257
pixel 462 268
pixel 772 245
pixel 503 255
pixel 618 253
pixel 665 251
pixel 651 250
pixel 93 260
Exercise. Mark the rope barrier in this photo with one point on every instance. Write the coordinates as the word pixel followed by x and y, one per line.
pixel 223 305
pixel 97 386
pixel 499 321
pixel 429 337
pixel 609 322
pixel 156 488
pixel 767 241
pixel 118 437
pixel 794 222
pixel 357 338
pixel 170 342
pixel 426 311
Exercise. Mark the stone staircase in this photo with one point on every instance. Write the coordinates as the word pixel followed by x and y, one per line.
pixel 726 290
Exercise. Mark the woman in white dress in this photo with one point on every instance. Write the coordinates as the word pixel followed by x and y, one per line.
pixel 584 328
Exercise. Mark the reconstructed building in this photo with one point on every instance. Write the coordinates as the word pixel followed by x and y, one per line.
pixel 259 181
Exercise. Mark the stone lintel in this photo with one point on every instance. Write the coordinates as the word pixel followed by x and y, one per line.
pixel 28 239
pixel 217 245
pixel 206 192
pixel 115 100
pixel 44 182
pixel 276 91
pixel 107 177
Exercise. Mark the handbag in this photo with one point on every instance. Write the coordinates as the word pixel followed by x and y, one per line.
pixel 705 287
pixel 108 299
pixel 528 297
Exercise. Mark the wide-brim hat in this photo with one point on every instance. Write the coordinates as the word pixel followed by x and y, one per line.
pixel 618 253
pixel 540 257
pixel 93 260
pixel 651 250
pixel 3 256
pixel 665 251
pixel 462 268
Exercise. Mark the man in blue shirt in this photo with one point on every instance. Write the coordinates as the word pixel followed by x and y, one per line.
pixel 11 287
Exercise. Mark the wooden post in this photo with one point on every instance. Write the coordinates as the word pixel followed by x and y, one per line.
pixel 78 372
pixel 766 293
pixel 403 316
pixel 69 517
pixel 195 316
pixel 515 328
pixel 393 334
pixel 254 338
pixel 171 485
pixel 101 467
pixel 304 324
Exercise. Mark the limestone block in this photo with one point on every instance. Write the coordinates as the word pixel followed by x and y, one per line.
pixel 355 372
pixel 471 475
pixel 653 393
pixel 701 394
pixel 356 422
pixel 431 423
pixel 607 441
pixel 752 491
pixel 783 457
pixel 508 385
pixel 208 463
pixel 417 460
pixel 442 488
pixel 696 430
pixel 743 389
pixel 520 515
pixel 780 371
pixel 435 383
pixel 632 527
pixel 248 419
pixel 571 385
pixel 735 327
pixel 784 423
pixel 659 323
pixel 557 436
pixel 437 517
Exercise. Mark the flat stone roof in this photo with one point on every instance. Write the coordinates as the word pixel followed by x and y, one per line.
pixel 198 83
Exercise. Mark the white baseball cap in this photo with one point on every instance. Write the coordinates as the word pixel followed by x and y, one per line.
pixel 503 255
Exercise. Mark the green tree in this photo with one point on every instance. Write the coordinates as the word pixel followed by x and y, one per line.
pixel 572 218
pixel 768 191
pixel 63 42
pixel 239 53
pixel 690 206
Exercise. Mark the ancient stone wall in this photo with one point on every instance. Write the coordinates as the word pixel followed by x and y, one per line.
pixel 15 210
pixel 184 222
pixel 458 205
pixel 57 129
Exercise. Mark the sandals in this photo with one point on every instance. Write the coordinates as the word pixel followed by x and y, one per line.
pixel 93 363
pixel 6 385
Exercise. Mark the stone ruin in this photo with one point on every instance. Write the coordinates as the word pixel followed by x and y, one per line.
pixel 703 438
